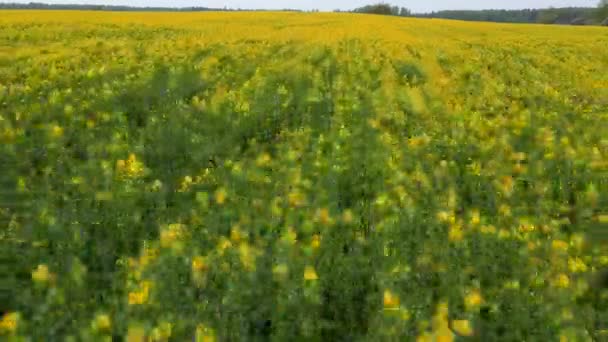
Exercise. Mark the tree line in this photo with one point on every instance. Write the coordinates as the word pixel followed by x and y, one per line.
pixel 564 16
pixel 118 8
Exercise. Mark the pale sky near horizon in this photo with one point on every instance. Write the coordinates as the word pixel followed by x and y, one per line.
pixel 328 5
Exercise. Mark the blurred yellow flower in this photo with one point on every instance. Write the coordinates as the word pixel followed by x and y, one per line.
pixel 41 274
pixel 463 327
pixel 475 217
pixel 561 280
pixel 390 300
pixel 56 131
pixel 199 264
pixel 247 254
pixel 263 160
pixel 162 332
pixel 425 337
pixel 488 229
pixel 504 234
pixel 316 241
pixel 223 245
pixel 310 273
pixel 102 323
pixel 323 216
pixel 204 334
pixel 347 216
pixel 172 233
pixel 473 300
pixel 220 196
pixel 9 323
pixel 130 168
pixel 455 233
pixel 602 218
pixel 559 245
pixel 577 265
pixel 280 271
pixel 136 333
pixel 290 237
pixel 140 296
pixel 296 198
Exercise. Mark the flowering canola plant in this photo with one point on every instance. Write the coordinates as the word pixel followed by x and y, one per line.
pixel 238 176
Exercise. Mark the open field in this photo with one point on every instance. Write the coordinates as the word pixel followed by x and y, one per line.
pixel 296 176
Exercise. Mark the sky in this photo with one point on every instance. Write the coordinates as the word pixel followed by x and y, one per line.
pixel 417 6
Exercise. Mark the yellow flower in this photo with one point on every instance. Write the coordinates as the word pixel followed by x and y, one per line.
pixel 199 264
pixel 56 131
pixel 223 245
pixel 602 218
pixel 559 245
pixel 316 241
pixel 280 271
pixel 504 210
pixel 561 280
pixel 323 216
pixel 148 255
pixel 130 168
pixel 473 300
pixel 247 256
pixel 296 199
pixel 204 334
pixel 347 216
pixel 41 274
pixel 576 265
pixel 404 314
pixel 462 327
pixel 220 196
pixel 525 226
pixel 504 234
pixel 290 237
pixel 475 217
pixel 444 336
pixel 390 300
pixel 263 160
pixel 185 184
pixel 455 233
pixel 141 296
pixel 136 334
pixel 310 273
pixel 102 323
pixel 512 284
pixel 9 323
pixel 425 337
pixel 444 216
pixel 489 229
pixel 235 233
pixel 162 332
pixel 577 241
pixel 172 234
pixel 506 185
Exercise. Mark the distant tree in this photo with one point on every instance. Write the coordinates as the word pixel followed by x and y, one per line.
pixel 602 11
pixel 381 8
pixel 548 16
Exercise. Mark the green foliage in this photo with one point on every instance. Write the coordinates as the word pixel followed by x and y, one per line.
pixel 383 9
pixel 262 189
pixel 563 16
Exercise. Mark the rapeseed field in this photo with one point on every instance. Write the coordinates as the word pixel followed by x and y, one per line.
pixel 301 176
